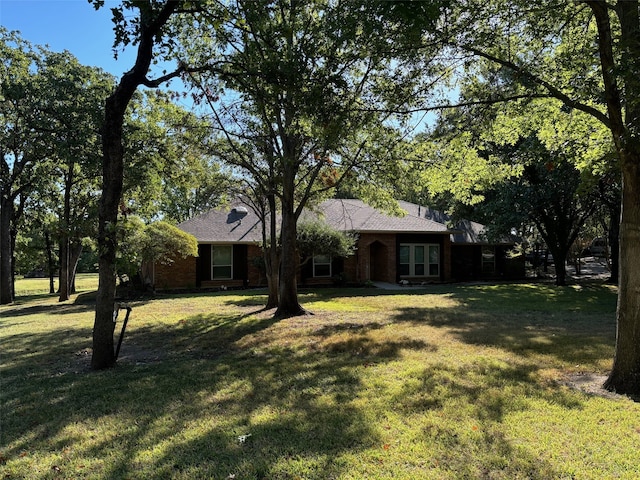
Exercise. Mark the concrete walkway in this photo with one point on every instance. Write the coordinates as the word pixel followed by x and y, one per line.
pixel 395 286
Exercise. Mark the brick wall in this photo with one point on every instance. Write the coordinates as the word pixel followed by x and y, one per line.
pixel 180 274
pixel 255 276
pixel 446 258
pixel 376 257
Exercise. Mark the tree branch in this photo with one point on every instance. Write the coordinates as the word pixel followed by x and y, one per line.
pixel 553 90
pixel 488 101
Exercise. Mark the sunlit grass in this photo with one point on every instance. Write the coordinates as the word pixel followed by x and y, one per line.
pixel 40 286
pixel 447 382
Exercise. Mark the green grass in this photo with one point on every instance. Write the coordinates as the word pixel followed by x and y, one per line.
pixel 450 382
pixel 28 287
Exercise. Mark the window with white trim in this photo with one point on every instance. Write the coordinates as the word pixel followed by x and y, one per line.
pixel 488 259
pixel 322 265
pixel 419 260
pixel 221 262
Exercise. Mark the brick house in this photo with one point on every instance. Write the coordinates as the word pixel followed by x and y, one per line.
pixel 418 248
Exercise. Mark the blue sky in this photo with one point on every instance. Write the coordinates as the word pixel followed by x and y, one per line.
pixel 72 25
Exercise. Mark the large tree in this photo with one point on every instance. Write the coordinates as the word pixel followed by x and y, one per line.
pixel 585 54
pixel 74 110
pixel 550 193
pixel 147 30
pixel 301 91
pixel 169 169
pixel 27 101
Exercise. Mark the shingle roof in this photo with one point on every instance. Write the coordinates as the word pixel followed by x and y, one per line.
pixel 463 231
pixel 355 215
pixel 239 223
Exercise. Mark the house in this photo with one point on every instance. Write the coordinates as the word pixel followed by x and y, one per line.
pixel 473 256
pixel 418 247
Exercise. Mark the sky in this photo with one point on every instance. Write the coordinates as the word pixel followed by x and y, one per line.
pixel 72 25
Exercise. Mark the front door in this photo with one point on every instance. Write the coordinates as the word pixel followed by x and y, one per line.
pixel 378 261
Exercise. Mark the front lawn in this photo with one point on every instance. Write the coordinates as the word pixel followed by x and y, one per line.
pixel 451 382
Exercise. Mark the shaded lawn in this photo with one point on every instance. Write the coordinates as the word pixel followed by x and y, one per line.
pixel 449 382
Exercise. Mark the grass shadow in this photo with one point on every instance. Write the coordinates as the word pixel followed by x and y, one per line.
pixel 545 322
pixel 273 397
pixel 240 394
pixel 23 310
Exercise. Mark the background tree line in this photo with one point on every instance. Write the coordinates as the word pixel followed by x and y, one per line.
pixel 52 112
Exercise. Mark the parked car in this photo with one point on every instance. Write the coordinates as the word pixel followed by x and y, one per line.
pixel 537 259
pixel 599 247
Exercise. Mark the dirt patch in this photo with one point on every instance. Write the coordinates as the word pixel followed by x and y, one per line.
pixel 590 383
pixel 130 354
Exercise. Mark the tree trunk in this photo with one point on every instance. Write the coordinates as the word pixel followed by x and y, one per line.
pixel 288 292
pixel 65 240
pixel 561 270
pixel 112 177
pixel 112 180
pixel 272 259
pixel 6 253
pixel 63 279
pixel 272 264
pixel 625 374
pixel 50 263
pixel 75 250
pixel 614 244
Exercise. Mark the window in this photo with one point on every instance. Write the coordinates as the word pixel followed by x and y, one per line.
pixel 488 259
pixel 221 262
pixel 322 265
pixel 419 260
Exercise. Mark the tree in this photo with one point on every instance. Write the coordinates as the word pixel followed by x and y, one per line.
pixel 318 238
pixel 300 91
pixel 35 246
pixel 147 30
pixel 550 51
pixel 51 112
pixel 25 141
pixel 169 169
pixel 552 194
pixel 521 164
pixel 157 242
pixel 74 110
pixel 586 55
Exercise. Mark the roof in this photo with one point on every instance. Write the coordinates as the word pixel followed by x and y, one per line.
pixel 463 231
pixel 237 224
pixel 355 215
pixel 240 224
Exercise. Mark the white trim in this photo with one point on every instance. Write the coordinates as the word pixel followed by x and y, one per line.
pixel 324 263
pixel 213 277
pixel 484 262
pixel 426 260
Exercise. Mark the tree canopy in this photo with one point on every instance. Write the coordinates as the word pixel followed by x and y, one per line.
pixel 302 94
